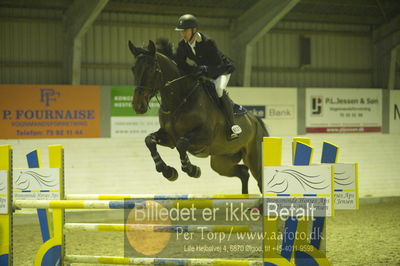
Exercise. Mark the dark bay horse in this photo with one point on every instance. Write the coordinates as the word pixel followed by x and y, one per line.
pixel 191 122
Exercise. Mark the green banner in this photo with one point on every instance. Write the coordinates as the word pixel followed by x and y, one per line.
pixel 121 102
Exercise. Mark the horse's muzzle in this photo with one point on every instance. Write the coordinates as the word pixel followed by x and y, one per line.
pixel 140 107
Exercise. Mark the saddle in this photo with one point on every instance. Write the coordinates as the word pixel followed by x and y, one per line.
pixel 209 88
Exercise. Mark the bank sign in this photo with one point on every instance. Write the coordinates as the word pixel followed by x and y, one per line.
pixel 49 111
pixel 343 110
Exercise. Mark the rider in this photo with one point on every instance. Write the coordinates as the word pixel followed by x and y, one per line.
pixel 210 61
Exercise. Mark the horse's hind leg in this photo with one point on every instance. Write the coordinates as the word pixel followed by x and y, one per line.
pixel 228 166
pixel 253 160
pixel 161 138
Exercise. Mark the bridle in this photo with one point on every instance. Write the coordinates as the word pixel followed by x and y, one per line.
pixel 153 91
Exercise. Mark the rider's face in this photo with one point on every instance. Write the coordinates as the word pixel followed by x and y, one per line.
pixel 187 34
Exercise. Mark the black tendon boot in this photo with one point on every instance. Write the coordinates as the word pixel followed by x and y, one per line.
pixel 227 108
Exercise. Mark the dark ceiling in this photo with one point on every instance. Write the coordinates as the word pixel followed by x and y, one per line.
pixel 370 12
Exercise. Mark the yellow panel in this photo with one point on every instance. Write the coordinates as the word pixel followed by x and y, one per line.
pixel 39 158
pixel 5 219
pixel 5 157
pixel 56 160
pixel 272 151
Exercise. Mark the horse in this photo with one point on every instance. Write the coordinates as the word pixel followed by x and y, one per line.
pixel 191 122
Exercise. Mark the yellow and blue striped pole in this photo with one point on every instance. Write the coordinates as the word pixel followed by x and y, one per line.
pixel 302 226
pixel 92 227
pixel 6 199
pixel 52 251
pixel 34 161
pixel 329 155
pixel 160 261
pixel 162 197
pixel 304 252
pixel 272 156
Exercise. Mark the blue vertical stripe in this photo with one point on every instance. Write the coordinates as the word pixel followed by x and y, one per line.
pixel 33 159
pixel 43 222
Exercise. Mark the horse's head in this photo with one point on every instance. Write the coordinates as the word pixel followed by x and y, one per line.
pixel 148 76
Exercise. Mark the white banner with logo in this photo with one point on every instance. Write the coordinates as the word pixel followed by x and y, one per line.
pixel 346 186
pixel 343 110
pixel 302 190
pixel 36 184
pixel 394 113
pixel 277 107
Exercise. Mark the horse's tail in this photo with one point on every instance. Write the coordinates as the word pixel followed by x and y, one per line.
pixel 264 128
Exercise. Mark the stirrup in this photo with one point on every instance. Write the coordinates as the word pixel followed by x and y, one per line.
pixel 233 136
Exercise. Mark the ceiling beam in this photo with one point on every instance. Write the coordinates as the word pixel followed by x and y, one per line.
pixel 253 25
pixel 172 10
pixel 81 15
pixel 337 18
pixel 342 3
pixel 387 29
pixel 128 7
pixel 77 21
pixel 260 18
pixel 57 4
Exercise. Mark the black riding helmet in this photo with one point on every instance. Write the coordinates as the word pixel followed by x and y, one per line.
pixel 186 21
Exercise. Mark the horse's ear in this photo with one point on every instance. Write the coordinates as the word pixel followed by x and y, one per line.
pixel 135 51
pixel 151 47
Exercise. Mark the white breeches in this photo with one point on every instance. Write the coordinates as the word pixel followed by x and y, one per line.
pixel 220 84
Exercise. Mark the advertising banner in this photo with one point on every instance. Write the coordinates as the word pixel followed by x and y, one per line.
pixel 277 107
pixel 302 190
pixel 346 186
pixel 36 184
pixel 49 111
pixel 124 121
pixel 343 110
pixel 394 113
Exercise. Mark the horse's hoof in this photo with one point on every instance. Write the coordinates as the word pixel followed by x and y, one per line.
pixel 195 172
pixel 170 173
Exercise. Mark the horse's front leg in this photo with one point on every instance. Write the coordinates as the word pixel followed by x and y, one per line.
pixel 182 145
pixel 160 138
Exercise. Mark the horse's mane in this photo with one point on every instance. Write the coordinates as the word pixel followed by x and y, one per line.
pixel 164 46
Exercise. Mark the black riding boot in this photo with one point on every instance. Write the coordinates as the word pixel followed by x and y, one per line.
pixel 227 108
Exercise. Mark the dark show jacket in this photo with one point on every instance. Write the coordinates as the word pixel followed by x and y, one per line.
pixel 207 54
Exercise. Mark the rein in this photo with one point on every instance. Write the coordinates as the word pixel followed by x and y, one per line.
pixel 167 84
pixel 185 99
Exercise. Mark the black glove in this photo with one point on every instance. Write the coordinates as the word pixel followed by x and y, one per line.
pixel 202 68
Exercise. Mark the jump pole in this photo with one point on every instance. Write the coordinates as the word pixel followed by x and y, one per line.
pixel 159 261
pixel 52 251
pixel 160 197
pixel 62 207
pixel 92 227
